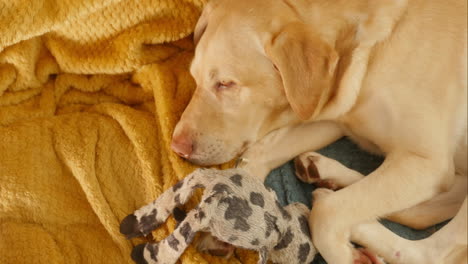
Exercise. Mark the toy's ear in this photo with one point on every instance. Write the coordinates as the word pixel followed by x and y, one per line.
pixel 306 65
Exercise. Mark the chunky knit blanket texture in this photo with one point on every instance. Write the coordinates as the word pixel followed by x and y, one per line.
pixel 90 91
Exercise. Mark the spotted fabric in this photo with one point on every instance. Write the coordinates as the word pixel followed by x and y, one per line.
pixel 236 208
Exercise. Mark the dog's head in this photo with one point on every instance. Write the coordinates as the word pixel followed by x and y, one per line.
pixel 257 68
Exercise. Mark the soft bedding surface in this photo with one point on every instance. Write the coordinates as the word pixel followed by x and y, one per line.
pixel 90 92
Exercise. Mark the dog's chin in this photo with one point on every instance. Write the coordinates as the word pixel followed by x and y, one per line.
pixel 209 161
pixel 213 158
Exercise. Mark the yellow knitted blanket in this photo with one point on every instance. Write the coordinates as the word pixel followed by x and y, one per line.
pixel 90 91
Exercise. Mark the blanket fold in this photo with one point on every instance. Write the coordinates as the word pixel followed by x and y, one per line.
pixel 90 92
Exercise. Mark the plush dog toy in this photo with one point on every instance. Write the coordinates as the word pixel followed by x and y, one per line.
pixel 236 208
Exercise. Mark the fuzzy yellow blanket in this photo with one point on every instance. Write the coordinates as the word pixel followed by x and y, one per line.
pixel 90 91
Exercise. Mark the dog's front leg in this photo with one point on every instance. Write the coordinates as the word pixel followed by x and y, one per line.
pixel 402 181
pixel 286 143
pixel 448 245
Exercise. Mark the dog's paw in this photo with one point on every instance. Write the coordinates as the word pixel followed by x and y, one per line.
pixel 310 167
pixel 320 193
pixel 364 256
pixel 305 168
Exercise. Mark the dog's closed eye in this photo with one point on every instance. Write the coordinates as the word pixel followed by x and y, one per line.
pixel 224 85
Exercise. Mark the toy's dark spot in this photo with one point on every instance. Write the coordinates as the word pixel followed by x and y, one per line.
pixel 304 250
pixel 200 215
pixel 270 221
pixel 232 239
pixel 285 240
pixel 187 233
pixel 221 187
pixel 173 242
pixel 257 199
pixel 208 200
pixel 196 186
pixel 239 210
pixel 236 179
pixel 178 185
pixel 137 254
pixel 129 227
pixel 177 199
pixel 303 223
pixel 284 213
pixel 148 222
pixel 153 249
pixel 255 242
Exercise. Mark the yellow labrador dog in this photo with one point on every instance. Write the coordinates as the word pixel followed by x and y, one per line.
pixel 277 78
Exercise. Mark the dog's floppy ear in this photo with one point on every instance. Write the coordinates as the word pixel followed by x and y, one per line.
pixel 306 65
pixel 201 25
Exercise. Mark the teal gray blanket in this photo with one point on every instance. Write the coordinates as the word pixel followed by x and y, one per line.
pixel 289 189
